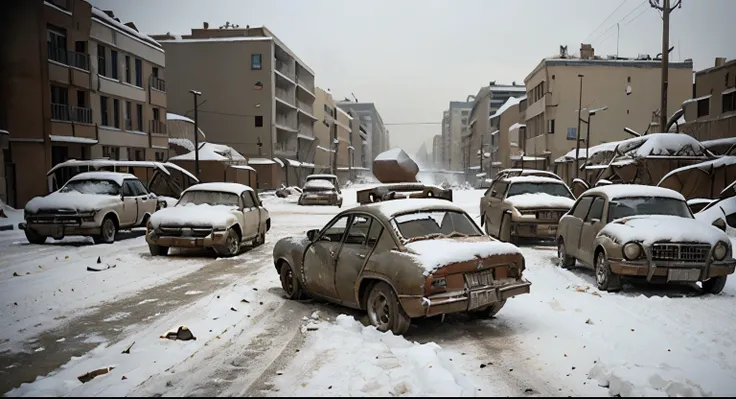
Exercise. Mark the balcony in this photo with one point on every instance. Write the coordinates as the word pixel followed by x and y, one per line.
pixel 157 92
pixel 80 114
pixel 285 95
pixel 154 82
pixel 306 130
pixel 305 80
pixel 78 60
pixel 60 112
pixel 284 147
pixel 157 127
pixel 285 123
pixel 284 69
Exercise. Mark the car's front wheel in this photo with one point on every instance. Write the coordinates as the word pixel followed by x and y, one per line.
pixel 289 282
pixel 158 250
pixel 714 285
pixel 107 232
pixel 232 244
pixel 34 238
pixel 384 310
pixel 563 259
pixel 605 279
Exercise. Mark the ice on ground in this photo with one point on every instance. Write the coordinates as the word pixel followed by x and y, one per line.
pixel 632 380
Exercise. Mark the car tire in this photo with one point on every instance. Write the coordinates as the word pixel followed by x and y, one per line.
pixel 714 285
pixel 384 310
pixel 605 279
pixel 290 282
pixel 158 250
pixel 35 238
pixel 232 244
pixel 108 230
pixel 564 261
pixel 488 311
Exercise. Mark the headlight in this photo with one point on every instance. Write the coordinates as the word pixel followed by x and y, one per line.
pixel 720 251
pixel 149 226
pixel 632 251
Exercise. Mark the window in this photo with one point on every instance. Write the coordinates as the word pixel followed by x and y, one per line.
pixel 729 101
pixel 159 156
pixel 129 189
pixel 101 60
pixel 116 113
pixel 156 114
pixel 139 187
pixel 56 43
pixel 336 230
pixel 500 190
pixel 572 133
pixel 358 232
pixel 596 210
pixel 465 113
pixel 248 200
pixel 111 152
pixel 103 114
pixel 139 116
pixel 328 110
pixel 259 121
pixel 138 73
pixel 703 107
pixel 374 233
pixel 59 103
pixel 113 64
pixel 255 61
pixel 628 79
pixel 465 121
pixel 154 71
pixel 551 126
pixel 128 116
pixel 81 99
pixel 582 207
pixel 127 69
pixel 139 155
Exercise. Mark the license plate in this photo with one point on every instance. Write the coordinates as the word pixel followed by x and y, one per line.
pixel 482 298
pixel 683 275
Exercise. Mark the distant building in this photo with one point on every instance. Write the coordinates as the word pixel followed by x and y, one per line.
pixel 711 114
pixel 437 151
pixel 456 125
pixel 376 133
pixel 505 124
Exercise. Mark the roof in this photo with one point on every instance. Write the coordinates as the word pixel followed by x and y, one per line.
pixel 234 188
pixel 176 117
pixel 615 191
pixel 322 176
pixel 532 179
pixel 508 104
pixel 624 63
pixel 114 176
pixel 101 16
pixel 396 207
pixel 178 39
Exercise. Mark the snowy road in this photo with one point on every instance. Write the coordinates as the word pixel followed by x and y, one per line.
pixel 60 321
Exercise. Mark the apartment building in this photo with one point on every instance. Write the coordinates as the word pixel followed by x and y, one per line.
pixel 358 142
pixel 504 123
pixel 324 111
pixel 64 99
pixel 456 124
pixel 377 139
pixel 711 113
pixel 437 151
pixel 444 154
pixel 630 88
pixel 257 95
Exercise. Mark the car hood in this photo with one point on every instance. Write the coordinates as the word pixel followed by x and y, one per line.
pixel 540 201
pixel 660 228
pixel 435 253
pixel 219 216
pixel 71 201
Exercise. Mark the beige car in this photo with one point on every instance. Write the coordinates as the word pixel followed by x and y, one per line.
pixel 96 204
pixel 223 216
pixel 524 207
pixel 513 172
pixel 646 233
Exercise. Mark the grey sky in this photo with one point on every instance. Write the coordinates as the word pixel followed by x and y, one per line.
pixel 411 57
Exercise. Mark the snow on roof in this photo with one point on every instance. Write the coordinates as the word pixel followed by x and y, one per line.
pixel 726 160
pixel 234 188
pixel 101 15
pixel 662 228
pixel 181 142
pixel 319 147
pixel 516 126
pixel 114 176
pixel 540 200
pixel 243 167
pixel 527 158
pixel 533 179
pixel 211 152
pixel 724 141
pixel 692 100
pixel 319 183
pixel 729 90
pixel 176 117
pixel 322 176
pixel 660 144
pixel 433 254
pixel 178 39
pixel 389 155
pixel 2 131
pixel 293 163
pixel 261 161
pixel 72 139
pixel 278 161
pixel 508 104
pixel 616 191
pixel 397 207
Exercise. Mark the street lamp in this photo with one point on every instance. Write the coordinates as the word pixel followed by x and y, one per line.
pixel 196 136
pixel 336 142
pixel 587 137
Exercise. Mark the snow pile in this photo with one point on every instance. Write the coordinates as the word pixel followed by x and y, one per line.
pixel 540 200
pixel 72 200
pixel 662 228
pixel 345 358
pixel 633 380
pixel 219 216
pixel 661 144
pixel 617 191
pixel 435 253
pixel 181 142
pixel 12 216
pixel 320 184
pixel 397 207
pixel 533 179
pixel 211 152
pixel 218 187
pixel 390 155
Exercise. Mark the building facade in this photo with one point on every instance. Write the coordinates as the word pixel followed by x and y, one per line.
pixel 629 88
pixel 456 122
pixel 504 123
pixel 711 113
pixel 377 134
pixel 437 151
pixel 324 110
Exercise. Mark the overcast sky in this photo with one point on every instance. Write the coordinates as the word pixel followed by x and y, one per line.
pixel 411 57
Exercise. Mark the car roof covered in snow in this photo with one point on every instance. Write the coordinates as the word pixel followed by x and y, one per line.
pixel 533 179
pixel 392 208
pixel 322 176
pixel 614 191
pixel 235 188
pixel 114 176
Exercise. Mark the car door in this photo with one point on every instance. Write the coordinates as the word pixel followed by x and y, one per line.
pixel 320 257
pixel 590 228
pixel 146 201
pixel 362 236
pixel 130 204
pixel 495 209
pixel 484 202
pixel 262 213
pixel 574 225
pixel 251 216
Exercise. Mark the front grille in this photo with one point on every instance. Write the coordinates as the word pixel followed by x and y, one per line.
pixel 56 211
pixel 56 219
pixel 194 232
pixel 696 253
pixel 479 279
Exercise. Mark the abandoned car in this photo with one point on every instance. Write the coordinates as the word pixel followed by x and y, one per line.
pixel 321 190
pixel 222 216
pixel 524 207
pixel 643 232
pixel 402 259
pixel 96 204
pixel 390 191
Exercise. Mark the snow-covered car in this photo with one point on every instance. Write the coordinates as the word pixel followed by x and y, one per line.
pixel 320 192
pixel 390 191
pixel 524 207
pixel 223 216
pixel 514 172
pixel 720 213
pixel 402 259
pixel 697 204
pixel 96 204
pixel 323 176
pixel 643 232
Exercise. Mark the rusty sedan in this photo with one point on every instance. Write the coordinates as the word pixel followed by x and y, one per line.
pixel 402 259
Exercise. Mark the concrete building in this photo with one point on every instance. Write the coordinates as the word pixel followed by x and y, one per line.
pixel 80 84
pixel 630 88
pixel 437 151
pixel 444 155
pixel 505 124
pixel 377 134
pixel 358 137
pixel 256 98
pixel 456 124
pixel 711 114
pixel 324 111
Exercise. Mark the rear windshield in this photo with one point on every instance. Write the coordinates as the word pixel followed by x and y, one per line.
pixel 556 189
pixel 433 224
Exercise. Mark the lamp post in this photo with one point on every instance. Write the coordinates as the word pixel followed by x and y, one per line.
pixel 577 132
pixel 587 136
pixel 196 136
pixel 260 145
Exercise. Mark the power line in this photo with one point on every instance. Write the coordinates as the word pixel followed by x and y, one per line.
pixel 614 25
pixel 627 22
pixel 604 21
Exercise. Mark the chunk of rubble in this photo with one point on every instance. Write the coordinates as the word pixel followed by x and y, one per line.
pixel 182 334
pixel 395 166
pixel 92 374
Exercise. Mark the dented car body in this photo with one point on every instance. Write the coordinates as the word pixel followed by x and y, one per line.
pixel 402 259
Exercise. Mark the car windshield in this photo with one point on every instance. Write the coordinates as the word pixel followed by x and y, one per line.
pixel 208 197
pixel 434 224
pixel 634 206
pixel 556 189
pixel 92 186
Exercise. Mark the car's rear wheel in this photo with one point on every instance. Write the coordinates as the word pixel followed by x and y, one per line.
pixel 605 279
pixel 158 250
pixel 35 238
pixel 289 282
pixel 488 311
pixel 714 285
pixel 563 259
pixel 107 232
pixel 384 310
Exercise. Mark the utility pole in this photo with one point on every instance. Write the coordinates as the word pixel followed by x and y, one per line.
pixel 666 10
pixel 480 156
pixel 196 134
pixel 577 132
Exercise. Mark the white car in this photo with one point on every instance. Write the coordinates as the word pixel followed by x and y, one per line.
pixel 720 213
pixel 96 204
pixel 223 216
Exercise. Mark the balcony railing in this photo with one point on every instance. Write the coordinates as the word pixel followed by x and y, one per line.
pixel 81 114
pixel 157 83
pixel 56 53
pixel 306 81
pixel 71 113
pixel 60 112
pixel 157 127
pixel 78 60
pixel 283 68
pixel 68 57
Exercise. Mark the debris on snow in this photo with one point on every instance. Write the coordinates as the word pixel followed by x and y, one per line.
pixel 92 374
pixel 127 350
pixel 635 380
pixel 181 334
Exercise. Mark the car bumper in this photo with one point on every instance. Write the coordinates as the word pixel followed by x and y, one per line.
pixel 319 201
pixel 672 271
pixel 214 239
pixel 533 229
pixel 61 229
pixel 462 301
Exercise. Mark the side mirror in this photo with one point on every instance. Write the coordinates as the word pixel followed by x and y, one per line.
pixel 720 224
pixel 312 234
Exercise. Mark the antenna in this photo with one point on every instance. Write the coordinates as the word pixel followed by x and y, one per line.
pixel 356 99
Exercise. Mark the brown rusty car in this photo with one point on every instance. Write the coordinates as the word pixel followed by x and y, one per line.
pixel 524 207
pixel 646 233
pixel 402 259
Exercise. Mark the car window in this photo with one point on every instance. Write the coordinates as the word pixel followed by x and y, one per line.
pixel 139 187
pixel 582 207
pixel 129 189
pixel 633 206
pixel 256 200
pixel 248 200
pixel 336 230
pixel 596 210
pixel 374 234
pixel 358 230
pixel 500 190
